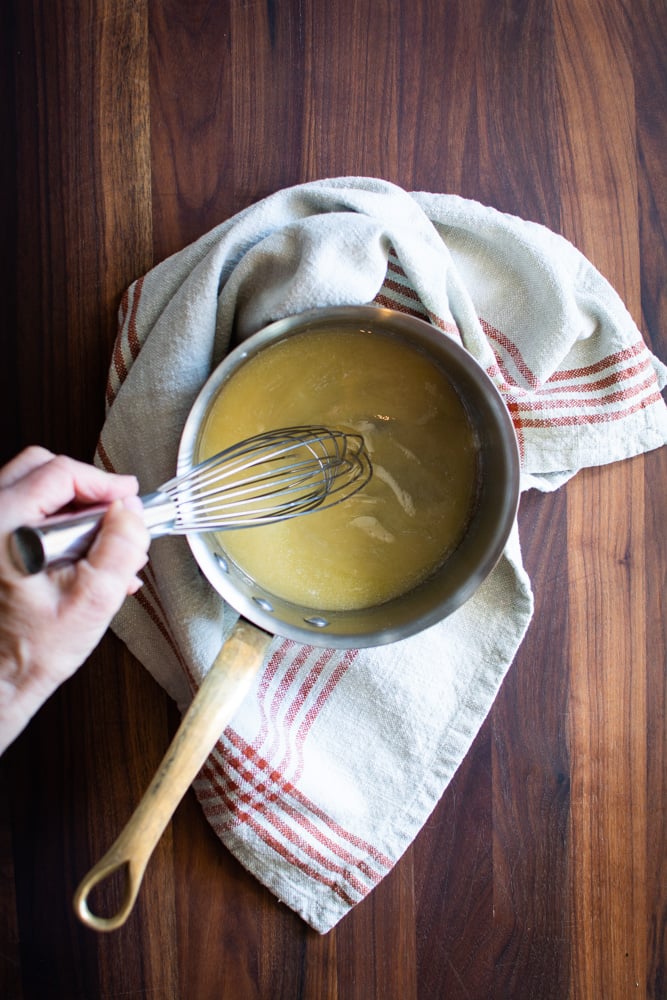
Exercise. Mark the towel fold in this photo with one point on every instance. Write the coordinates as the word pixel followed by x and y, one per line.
pixel 336 758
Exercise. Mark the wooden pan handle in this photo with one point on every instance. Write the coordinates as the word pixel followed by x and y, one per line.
pixel 218 698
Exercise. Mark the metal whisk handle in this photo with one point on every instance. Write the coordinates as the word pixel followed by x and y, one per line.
pixel 67 537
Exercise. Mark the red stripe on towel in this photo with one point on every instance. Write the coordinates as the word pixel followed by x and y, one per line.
pixel 638 347
pixel 132 338
pixel 578 419
pixel 289 788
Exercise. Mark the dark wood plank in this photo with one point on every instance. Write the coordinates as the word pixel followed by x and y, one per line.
pixel 531 851
pixel 11 440
pixel 607 718
pixel 82 172
pixel 191 116
pixel 655 553
pixel 650 39
pixel 10 955
pixel 84 207
pixel 455 912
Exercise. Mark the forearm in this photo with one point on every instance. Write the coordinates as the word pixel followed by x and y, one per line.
pixel 22 691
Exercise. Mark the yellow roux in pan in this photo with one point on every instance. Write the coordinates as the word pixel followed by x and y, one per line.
pixel 393 534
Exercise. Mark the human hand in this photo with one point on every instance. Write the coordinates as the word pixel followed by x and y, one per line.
pixel 51 622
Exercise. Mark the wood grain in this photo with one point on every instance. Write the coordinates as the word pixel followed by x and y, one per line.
pixel 131 128
pixel 607 719
pixel 531 894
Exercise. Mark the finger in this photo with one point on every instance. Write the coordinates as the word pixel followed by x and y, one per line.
pixel 55 483
pixel 93 485
pixel 120 548
pixel 100 583
pixel 23 463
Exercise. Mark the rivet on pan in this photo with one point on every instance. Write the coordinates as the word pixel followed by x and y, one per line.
pixel 222 562
pixel 317 622
pixel 264 604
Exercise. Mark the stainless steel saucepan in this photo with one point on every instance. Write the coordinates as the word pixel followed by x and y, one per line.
pixel 461 573
pixel 438 596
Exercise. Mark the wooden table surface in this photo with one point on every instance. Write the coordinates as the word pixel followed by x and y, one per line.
pixel 131 127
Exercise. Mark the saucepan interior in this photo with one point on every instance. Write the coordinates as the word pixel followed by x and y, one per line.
pixel 464 569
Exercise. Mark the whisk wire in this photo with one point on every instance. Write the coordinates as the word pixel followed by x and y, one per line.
pixel 274 476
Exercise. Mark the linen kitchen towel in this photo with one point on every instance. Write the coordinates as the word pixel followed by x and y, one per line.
pixel 336 758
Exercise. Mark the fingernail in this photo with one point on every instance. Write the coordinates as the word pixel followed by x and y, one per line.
pixel 135 586
pixel 134 504
pixel 127 478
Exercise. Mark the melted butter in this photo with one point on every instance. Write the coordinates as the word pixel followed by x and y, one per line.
pixel 394 533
